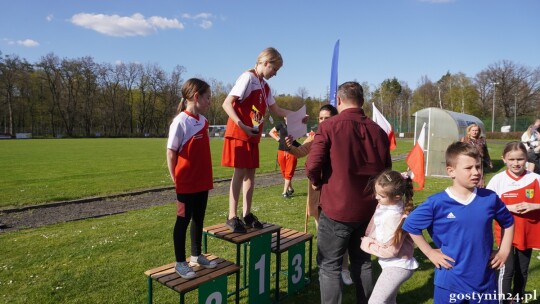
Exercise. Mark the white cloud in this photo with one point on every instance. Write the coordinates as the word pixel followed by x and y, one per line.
pixel 121 26
pixel 49 17
pixel 25 42
pixel 206 24
pixel 203 17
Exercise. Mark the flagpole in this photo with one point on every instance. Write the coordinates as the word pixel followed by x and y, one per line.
pixel 428 143
pixel 334 75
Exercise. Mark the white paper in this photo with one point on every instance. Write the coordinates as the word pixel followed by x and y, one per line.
pixel 295 127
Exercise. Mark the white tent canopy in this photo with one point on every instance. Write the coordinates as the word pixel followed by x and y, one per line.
pixel 442 128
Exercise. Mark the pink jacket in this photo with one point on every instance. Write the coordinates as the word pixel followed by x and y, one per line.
pixel 403 250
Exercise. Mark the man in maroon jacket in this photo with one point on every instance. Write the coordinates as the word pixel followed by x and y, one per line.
pixel 349 149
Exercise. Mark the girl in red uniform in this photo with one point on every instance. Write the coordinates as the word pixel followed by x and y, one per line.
pixel 246 106
pixel 286 160
pixel 190 167
pixel 519 189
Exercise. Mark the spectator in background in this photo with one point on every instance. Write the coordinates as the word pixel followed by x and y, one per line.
pixel 475 138
pixel 286 160
pixel 531 139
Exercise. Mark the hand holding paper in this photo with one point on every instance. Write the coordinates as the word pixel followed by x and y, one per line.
pixel 296 127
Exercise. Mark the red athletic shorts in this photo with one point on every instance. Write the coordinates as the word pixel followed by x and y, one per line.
pixel 240 154
pixel 287 163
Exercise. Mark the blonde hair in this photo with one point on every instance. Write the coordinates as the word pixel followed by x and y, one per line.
pixel 531 127
pixel 189 88
pixel 270 55
pixel 469 127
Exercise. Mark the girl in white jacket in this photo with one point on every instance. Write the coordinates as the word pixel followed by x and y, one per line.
pixel 385 239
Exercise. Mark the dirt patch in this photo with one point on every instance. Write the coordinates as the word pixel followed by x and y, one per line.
pixel 58 212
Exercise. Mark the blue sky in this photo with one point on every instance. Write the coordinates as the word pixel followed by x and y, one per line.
pixel 219 39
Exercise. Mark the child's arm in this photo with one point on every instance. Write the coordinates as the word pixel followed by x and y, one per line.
pixel 524 207
pixel 499 257
pixel 229 109
pixel 387 250
pixel 281 112
pixel 436 256
pixel 300 151
pixel 274 134
pixel 172 159
pixel 277 110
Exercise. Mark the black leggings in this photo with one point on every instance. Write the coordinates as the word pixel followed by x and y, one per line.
pixel 194 208
pixel 516 268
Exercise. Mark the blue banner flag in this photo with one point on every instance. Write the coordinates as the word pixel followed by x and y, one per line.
pixel 334 75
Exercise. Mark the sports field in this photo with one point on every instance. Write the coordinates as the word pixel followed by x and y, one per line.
pixel 102 260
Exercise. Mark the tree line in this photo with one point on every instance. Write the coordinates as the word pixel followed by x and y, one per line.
pixel 79 97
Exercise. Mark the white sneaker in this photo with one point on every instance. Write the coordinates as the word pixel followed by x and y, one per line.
pixel 346 277
pixel 202 261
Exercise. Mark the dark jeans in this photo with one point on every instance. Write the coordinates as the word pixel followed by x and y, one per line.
pixel 333 239
pixel 195 208
pixel 515 269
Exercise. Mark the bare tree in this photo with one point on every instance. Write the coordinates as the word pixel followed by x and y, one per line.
pixel 50 64
pixel 89 90
pixel 131 73
pixel 12 71
pixel 303 93
pixel 515 84
pixel 216 115
pixel 112 93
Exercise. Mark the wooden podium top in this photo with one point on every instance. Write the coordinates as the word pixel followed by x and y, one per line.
pixel 221 231
pixel 167 276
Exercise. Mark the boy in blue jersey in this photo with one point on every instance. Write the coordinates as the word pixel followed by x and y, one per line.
pixel 459 220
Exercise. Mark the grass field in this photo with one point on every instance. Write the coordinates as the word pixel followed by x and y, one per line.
pixel 102 260
pixel 44 170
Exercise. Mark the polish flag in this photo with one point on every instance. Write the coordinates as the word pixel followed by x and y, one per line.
pixel 415 160
pixel 385 125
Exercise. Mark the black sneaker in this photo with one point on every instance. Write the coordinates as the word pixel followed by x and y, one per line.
pixel 236 225
pixel 252 221
pixel 286 195
pixel 290 191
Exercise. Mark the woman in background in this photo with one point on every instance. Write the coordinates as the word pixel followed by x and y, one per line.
pixel 475 138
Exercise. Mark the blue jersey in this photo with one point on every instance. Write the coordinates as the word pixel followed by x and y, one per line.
pixel 463 231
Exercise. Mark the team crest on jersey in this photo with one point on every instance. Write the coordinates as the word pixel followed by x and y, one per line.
pixel 256 116
pixel 529 193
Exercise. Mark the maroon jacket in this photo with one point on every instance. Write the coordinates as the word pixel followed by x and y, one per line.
pixel 349 150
